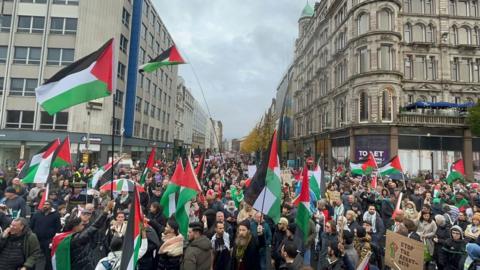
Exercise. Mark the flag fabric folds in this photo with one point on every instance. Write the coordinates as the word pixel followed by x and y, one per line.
pixel 60 251
pixel 149 167
pixel 456 171
pixel 189 188
pixel 168 200
pixel 86 79
pixel 44 198
pixel 169 57
pixel 62 156
pixel 38 169
pixel 364 167
pixel 102 174
pixel 264 192
pixel 132 240
pixel 391 167
pixel 303 210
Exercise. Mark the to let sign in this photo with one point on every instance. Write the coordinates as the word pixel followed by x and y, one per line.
pixel 403 253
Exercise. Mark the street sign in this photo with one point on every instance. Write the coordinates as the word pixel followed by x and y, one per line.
pixel 92 139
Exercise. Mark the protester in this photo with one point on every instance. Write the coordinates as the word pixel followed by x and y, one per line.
pixel 16 206
pixel 171 249
pixel 221 247
pixel 198 254
pixel 246 249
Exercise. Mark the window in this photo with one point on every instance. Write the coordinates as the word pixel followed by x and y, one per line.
pixel 410 99
pixel 451 7
pixel 168 118
pixel 59 57
pixel 147 85
pixel 464 70
pixel 455 68
pixel 126 18
pixel 430 36
pixel 157 134
pixel 407 4
pixel 457 100
pixel 166 135
pixel 163 117
pixel 3 54
pixel 363 107
pixel 23 87
pixel 428 8
pixel 454 39
pixel 362 23
pixel 385 20
pixel 57 121
pixel 34 1
pixel 464 35
pixel 418 33
pixel 136 130
pixel 141 56
pixel 5 23
pixel 19 119
pixel 407 33
pixel 146 108
pixel 63 26
pixel 385 57
pixel 26 55
pixel 66 2
pixel 118 98
pixel 121 71
pixel 150 40
pixel 431 68
pixel 387 104
pixel 163 134
pixel 152 111
pixel 2 80
pixel 462 8
pixel 123 43
pixel 434 98
pixel 117 125
pixel 417 6
pixel 159 114
pixel 144 130
pixel 138 104
pixel 150 133
pixel 145 9
pixel 152 17
pixel 169 100
pixel 419 68
pixel 362 59
pixel 31 24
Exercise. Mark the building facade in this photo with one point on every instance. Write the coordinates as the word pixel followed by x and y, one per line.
pixel 358 63
pixel 199 127
pixel 183 119
pixel 39 37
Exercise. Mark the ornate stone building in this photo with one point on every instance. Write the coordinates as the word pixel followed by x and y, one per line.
pixel 359 63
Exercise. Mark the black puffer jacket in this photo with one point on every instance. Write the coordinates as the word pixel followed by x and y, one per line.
pixel 82 245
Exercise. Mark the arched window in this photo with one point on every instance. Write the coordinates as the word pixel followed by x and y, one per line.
pixel 473 8
pixel 454 39
pixel 363 105
pixel 418 32
pixel 475 36
pixel 340 112
pixel 387 105
pixel 407 33
pixel 430 34
pixel 464 35
pixel 363 23
pixel 385 19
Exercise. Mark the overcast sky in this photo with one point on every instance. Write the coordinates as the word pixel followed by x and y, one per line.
pixel 239 50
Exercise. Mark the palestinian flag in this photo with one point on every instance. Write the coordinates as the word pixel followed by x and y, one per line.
pixel 168 197
pixel 373 182
pixel 356 168
pixel 189 187
pixel 392 167
pixel 44 198
pixel 86 79
pixel 61 251
pixel 340 171
pixel 103 173
pixel 364 167
pixel 265 190
pixel 436 191
pixel 38 169
pixel 456 172
pixel 132 240
pixel 316 182
pixel 62 157
pixel 200 168
pixel 397 206
pixel 167 58
pixel 149 167
pixel 303 210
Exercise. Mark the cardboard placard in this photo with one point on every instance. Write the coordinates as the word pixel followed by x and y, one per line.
pixel 403 253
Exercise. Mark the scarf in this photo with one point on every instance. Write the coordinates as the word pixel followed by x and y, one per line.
pixel 372 219
pixel 172 245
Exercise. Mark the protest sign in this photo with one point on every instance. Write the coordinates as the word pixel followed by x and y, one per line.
pixel 403 253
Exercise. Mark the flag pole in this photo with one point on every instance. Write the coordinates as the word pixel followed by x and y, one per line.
pixel 113 147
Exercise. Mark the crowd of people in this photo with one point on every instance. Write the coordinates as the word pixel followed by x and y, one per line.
pixel 348 225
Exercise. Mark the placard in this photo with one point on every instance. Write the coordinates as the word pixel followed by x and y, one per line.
pixel 402 252
pixel 251 171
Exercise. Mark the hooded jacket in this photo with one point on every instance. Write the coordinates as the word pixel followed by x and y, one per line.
pixel 453 250
pixel 198 255
pixel 473 258
pixel 32 253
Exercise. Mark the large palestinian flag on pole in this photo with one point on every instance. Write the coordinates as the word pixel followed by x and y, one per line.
pixel 167 58
pixel 168 200
pixel 392 167
pixel 104 172
pixel 132 240
pixel 264 192
pixel 456 171
pixel 189 188
pixel 364 167
pixel 86 79
pixel 316 182
pixel 303 210
pixel 38 169
pixel 60 251
pixel 62 157
pixel 149 167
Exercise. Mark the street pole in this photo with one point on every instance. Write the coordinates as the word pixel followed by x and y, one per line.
pixel 89 118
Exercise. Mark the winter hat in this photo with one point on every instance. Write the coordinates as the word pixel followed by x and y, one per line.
pixel 361 232
pixel 10 190
pixel 458 229
pixel 440 220
pixel 245 223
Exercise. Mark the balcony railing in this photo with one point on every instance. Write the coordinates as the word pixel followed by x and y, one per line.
pixel 431 119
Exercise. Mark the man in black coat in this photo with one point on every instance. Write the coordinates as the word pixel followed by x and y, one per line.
pixel 246 250
pixel 45 223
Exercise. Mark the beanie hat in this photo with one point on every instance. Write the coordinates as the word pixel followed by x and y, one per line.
pixel 361 232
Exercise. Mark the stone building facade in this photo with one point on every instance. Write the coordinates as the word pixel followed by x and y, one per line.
pixel 359 63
